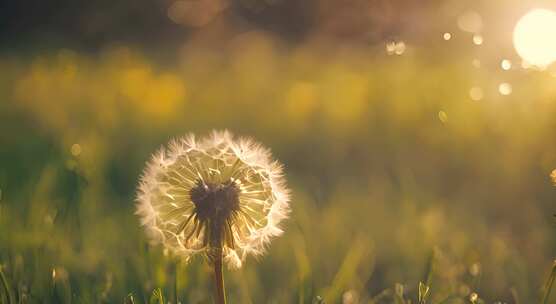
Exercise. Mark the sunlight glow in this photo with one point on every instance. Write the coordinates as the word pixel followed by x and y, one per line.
pixel 75 149
pixel 395 47
pixel 535 37
pixel 470 21
pixel 476 93
pixel 505 64
pixel 477 39
pixel 442 116
pixel 505 88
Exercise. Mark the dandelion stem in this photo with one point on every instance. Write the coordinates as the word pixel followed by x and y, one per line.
pixel 219 278
pixel 549 283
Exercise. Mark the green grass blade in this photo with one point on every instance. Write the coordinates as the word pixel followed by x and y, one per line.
pixel 549 284
pixel 5 286
pixel 129 299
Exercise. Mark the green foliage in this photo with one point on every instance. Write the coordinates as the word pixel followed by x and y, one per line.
pixel 549 284
pixel 129 299
pixel 5 296
pixel 157 297
pixel 387 157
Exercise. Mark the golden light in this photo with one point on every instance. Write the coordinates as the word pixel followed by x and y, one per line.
pixel 442 116
pixel 553 176
pixel 505 88
pixel 400 48
pixel 476 93
pixel 394 47
pixel 477 39
pixel 75 149
pixel 506 64
pixel 535 37
pixel 470 21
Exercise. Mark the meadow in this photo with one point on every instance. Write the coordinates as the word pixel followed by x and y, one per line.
pixel 419 166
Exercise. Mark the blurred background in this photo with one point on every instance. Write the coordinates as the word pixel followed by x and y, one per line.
pixel 416 136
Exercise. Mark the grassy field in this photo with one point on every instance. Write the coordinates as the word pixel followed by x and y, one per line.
pixel 405 189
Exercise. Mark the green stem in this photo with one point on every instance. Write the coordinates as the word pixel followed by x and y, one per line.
pixel 175 282
pixel 220 293
pixel 549 283
pixel 5 285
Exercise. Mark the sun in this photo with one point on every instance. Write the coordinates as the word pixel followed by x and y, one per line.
pixel 535 37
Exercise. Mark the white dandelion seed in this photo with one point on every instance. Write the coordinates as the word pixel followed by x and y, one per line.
pixel 213 195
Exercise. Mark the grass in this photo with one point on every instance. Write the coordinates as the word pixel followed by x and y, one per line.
pixel 378 177
pixel 7 293
pixel 394 295
pixel 549 284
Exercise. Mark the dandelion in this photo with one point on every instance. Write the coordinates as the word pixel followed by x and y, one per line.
pixel 219 196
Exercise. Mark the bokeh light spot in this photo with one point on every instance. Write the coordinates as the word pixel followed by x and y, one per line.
pixel 473 297
pixel 505 64
pixel 447 36
pixel 505 88
pixel 476 93
pixel 477 39
pixel 470 21
pixel 552 176
pixel 75 149
pixel 475 269
pixel 400 48
pixel 534 37
pixel 442 116
pixel 395 47
pixel 195 13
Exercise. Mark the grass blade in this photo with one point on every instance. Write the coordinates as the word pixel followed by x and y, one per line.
pixel 5 286
pixel 549 283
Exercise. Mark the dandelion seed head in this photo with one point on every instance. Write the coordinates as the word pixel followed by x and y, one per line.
pixel 197 194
